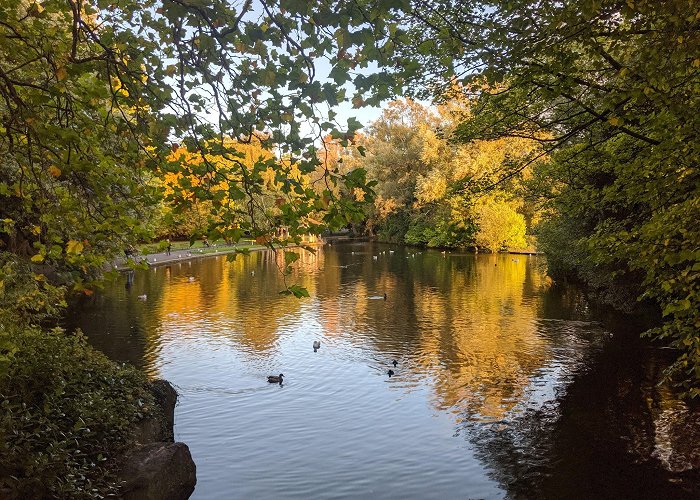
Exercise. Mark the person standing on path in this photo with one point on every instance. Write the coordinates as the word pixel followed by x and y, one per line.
pixel 167 249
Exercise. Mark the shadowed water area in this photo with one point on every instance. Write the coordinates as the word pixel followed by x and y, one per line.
pixel 506 386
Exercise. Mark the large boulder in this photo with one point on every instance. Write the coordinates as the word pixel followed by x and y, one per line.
pixel 166 397
pixel 158 471
pixel 160 427
pixel 157 468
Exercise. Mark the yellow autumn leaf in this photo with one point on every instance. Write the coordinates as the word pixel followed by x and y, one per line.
pixel 61 73
pixel 74 247
pixel 35 9
pixel 37 258
pixel 55 171
pixel 36 230
pixel 696 63
pixel 116 83
pixel 615 121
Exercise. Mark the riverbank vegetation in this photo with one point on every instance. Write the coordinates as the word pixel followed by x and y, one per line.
pixel 125 121
pixel 431 189
pixel 608 90
pixel 68 414
pixel 93 95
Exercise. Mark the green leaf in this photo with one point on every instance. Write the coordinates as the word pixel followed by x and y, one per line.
pixel 290 257
pixel 297 290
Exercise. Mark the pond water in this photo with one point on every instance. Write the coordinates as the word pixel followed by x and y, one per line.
pixel 506 386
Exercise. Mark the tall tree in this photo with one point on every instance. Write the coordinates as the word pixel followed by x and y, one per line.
pixel 610 89
pixel 427 183
pixel 93 92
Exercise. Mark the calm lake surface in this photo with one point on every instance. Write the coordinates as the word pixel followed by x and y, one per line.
pixel 506 386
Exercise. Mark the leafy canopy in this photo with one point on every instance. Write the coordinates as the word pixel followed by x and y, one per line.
pixel 92 93
pixel 610 89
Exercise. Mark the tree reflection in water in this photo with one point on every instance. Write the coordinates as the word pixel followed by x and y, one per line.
pixel 552 406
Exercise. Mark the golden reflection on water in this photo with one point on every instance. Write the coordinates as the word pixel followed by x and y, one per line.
pixel 468 323
pixel 488 327
pixel 479 340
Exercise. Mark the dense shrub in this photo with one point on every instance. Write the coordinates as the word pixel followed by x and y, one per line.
pixel 67 413
pixel 394 227
pixel 439 233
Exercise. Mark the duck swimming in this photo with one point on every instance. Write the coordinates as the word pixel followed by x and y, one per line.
pixel 316 345
pixel 275 379
pixel 390 373
pixel 394 363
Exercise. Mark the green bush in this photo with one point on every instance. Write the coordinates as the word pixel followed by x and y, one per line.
pixel 440 233
pixel 67 414
pixel 394 227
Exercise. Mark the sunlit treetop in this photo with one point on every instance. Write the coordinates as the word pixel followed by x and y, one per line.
pixel 93 94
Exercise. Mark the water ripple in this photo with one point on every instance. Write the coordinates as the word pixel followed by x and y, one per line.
pixel 483 354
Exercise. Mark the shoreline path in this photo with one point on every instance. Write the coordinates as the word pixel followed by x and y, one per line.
pixel 158 258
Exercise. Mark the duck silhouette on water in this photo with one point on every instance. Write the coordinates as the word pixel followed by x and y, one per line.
pixel 395 363
pixel 316 345
pixel 390 373
pixel 275 379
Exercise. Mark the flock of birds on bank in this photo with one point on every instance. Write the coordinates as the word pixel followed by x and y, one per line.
pixel 278 379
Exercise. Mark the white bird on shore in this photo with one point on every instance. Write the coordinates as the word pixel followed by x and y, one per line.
pixel 142 297
pixel 191 278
